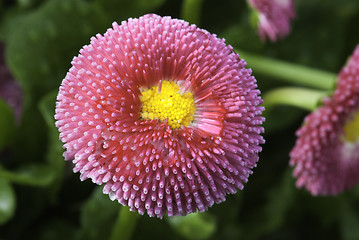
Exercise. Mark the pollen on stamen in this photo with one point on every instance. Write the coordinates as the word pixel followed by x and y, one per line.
pixel 164 102
pixel 351 129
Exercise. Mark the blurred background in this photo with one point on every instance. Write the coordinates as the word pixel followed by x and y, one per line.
pixel 40 196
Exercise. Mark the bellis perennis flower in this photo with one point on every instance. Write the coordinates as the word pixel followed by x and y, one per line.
pixel 274 17
pixel 326 154
pixel 163 113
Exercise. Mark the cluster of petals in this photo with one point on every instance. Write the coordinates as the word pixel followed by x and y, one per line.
pixel 10 90
pixel 144 163
pixel 274 17
pixel 325 162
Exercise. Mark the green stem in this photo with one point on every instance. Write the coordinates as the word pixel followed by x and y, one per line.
pixel 299 97
pixel 124 225
pixel 191 11
pixel 289 72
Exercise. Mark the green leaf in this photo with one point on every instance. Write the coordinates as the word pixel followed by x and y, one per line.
pixel 47 109
pixel 31 175
pixel 281 117
pixel 154 228
pixel 7 124
pixel 240 35
pixel 349 222
pixel 54 149
pixel 28 3
pixel 54 153
pixel 271 215
pixel 122 9
pixel 194 226
pixel 125 224
pixel 253 17
pixel 41 46
pixel 58 229
pixel 7 201
pixel 98 215
pixel 280 199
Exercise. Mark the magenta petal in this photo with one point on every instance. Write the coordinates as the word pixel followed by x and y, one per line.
pixel 274 17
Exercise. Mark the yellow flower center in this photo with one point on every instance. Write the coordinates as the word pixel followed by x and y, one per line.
pixel 351 129
pixel 168 103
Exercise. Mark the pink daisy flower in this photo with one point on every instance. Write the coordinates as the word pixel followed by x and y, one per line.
pixel 164 114
pixel 326 153
pixel 274 17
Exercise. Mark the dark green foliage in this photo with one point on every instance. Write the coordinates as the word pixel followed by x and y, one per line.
pixel 7 124
pixel 7 201
pixel 40 197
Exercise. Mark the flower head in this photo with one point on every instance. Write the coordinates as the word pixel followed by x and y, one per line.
pixel 10 90
pixel 326 154
pixel 274 17
pixel 163 113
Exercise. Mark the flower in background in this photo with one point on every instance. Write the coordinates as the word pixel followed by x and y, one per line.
pixel 163 113
pixel 273 17
pixel 10 90
pixel 326 153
